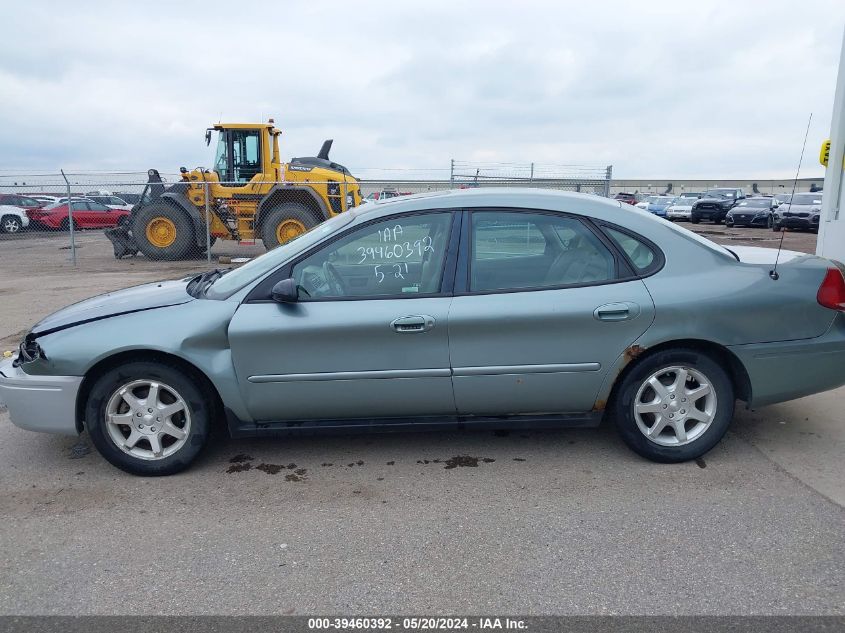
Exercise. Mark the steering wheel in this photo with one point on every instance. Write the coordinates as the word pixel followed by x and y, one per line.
pixel 334 279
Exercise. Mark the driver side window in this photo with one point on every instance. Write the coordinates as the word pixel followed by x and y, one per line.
pixel 396 257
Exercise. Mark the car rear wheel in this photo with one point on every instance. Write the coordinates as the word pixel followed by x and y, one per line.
pixel 149 418
pixel 11 224
pixel 674 405
pixel 775 226
pixel 694 220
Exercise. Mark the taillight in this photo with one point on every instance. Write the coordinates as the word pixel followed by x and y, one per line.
pixel 832 291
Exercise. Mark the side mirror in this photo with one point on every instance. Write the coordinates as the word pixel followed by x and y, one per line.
pixel 285 291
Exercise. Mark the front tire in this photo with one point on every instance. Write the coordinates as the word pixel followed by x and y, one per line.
pixel 286 222
pixel 162 231
pixel 674 405
pixel 10 224
pixel 65 225
pixel 149 418
pixel 694 220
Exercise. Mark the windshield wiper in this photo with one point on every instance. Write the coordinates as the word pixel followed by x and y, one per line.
pixel 200 283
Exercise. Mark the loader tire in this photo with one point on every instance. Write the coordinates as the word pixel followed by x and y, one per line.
pixel 163 232
pixel 285 223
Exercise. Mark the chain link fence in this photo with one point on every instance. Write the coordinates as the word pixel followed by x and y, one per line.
pixel 187 221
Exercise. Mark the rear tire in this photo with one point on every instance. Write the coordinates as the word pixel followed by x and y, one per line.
pixel 10 224
pixel 650 421
pixel 162 231
pixel 177 428
pixel 775 227
pixel 694 220
pixel 286 222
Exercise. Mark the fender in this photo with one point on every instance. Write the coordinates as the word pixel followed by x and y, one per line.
pixel 180 200
pixel 295 193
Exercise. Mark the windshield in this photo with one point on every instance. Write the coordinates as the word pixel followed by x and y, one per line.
pixel 806 198
pixel 238 278
pixel 720 193
pixel 761 202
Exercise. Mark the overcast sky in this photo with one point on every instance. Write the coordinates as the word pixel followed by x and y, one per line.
pixel 656 88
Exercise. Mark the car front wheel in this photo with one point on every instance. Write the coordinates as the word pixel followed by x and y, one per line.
pixel 674 406
pixel 149 418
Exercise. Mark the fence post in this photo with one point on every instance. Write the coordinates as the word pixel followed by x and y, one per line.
pixel 452 174
pixel 70 220
pixel 607 181
pixel 207 224
pixel 531 177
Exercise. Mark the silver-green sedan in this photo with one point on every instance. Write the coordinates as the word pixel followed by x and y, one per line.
pixel 479 308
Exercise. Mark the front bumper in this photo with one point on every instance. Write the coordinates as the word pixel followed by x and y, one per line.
pixel 792 222
pixel 39 403
pixel 709 213
pixel 748 219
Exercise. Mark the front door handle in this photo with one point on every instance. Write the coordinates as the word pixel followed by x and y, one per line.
pixel 616 311
pixel 415 323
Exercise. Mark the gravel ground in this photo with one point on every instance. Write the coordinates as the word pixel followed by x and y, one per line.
pixel 566 522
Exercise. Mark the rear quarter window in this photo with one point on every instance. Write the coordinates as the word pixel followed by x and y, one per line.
pixel 644 257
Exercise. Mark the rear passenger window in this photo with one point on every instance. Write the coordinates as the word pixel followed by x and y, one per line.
pixel 513 250
pixel 638 252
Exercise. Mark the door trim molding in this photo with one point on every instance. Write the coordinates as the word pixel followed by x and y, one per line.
pixel 353 375
pixel 496 370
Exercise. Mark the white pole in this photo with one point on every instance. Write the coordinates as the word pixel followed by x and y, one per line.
pixel 831 242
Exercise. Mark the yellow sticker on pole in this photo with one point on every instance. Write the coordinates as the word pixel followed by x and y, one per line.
pixel 824 154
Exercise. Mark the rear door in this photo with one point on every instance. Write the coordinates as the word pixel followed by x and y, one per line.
pixel 369 336
pixel 541 312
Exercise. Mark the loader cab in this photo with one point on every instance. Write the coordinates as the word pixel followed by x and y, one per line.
pixel 239 155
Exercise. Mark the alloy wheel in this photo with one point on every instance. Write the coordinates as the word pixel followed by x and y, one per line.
pixel 675 406
pixel 11 225
pixel 148 419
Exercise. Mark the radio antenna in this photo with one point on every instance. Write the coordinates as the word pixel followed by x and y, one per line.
pixel 773 273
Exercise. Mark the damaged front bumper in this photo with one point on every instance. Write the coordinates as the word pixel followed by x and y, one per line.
pixel 39 403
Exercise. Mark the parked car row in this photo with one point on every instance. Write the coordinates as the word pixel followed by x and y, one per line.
pixel 734 208
pixel 18 212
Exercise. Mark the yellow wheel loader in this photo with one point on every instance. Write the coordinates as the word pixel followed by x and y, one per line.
pixel 251 195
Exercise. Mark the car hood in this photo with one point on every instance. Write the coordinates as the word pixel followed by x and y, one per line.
pixel 145 297
pixel 760 255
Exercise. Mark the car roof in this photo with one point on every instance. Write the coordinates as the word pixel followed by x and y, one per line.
pixel 508 197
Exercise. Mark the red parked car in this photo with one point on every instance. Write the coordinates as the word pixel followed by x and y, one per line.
pixel 20 200
pixel 87 214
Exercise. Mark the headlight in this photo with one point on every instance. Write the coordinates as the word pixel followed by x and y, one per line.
pixel 28 352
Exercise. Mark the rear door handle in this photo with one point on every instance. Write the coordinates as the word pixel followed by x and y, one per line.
pixel 616 311
pixel 415 323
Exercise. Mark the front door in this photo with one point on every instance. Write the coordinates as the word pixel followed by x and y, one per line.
pixel 544 315
pixel 369 336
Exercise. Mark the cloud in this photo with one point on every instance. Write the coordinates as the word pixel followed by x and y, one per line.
pixel 658 89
